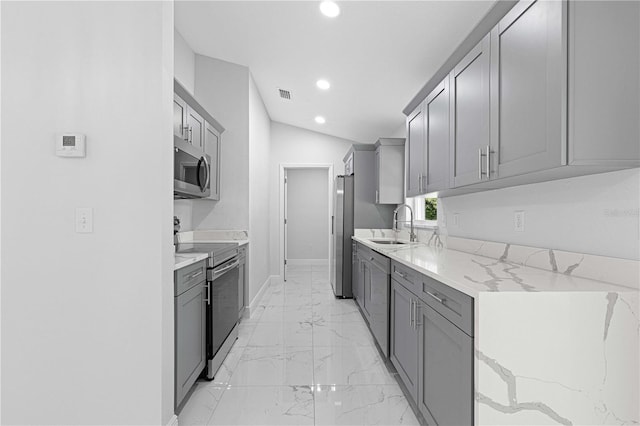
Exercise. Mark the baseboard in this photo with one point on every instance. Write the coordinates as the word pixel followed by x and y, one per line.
pixel 173 421
pixel 258 298
pixel 315 262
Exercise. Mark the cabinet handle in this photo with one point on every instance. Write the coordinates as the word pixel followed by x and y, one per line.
pixel 195 274
pixel 208 299
pixel 437 298
pixel 488 162
pixel 480 164
pixel 400 273
pixel 185 132
pixel 190 134
pixel 420 182
pixel 416 324
pixel 411 313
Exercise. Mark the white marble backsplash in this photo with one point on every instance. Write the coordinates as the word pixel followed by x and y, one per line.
pixel 612 270
pixel 608 269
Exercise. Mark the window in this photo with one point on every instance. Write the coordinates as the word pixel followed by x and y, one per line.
pixel 425 210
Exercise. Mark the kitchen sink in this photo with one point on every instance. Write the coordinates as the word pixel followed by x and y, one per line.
pixel 390 242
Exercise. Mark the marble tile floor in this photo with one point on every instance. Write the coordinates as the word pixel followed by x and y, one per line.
pixel 302 358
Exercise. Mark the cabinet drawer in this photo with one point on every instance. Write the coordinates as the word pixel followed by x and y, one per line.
pixel 187 277
pixel 457 307
pixel 379 260
pixel 406 276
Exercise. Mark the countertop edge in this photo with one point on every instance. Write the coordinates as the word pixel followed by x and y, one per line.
pixel 193 258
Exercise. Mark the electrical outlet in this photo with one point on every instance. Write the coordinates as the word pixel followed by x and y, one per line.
pixel 518 221
pixel 84 220
pixel 456 219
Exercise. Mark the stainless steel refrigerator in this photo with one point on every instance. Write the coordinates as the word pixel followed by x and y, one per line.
pixel 341 232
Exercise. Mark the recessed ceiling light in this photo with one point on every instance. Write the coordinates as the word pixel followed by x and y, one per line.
pixel 320 120
pixel 330 9
pixel 323 84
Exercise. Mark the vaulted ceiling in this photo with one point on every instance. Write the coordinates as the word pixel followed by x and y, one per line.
pixel 375 54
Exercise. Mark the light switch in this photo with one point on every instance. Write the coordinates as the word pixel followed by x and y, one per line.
pixel 84 220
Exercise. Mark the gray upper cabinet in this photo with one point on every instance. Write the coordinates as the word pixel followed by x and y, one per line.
pixel 180 118
pixel 437 131
pixel 212 147
pixel 195 122
pixel 445 370
pixel 414 153
pixel 528 84
pixel 469 109
pixel 390 171
pixel 604 100
pixel 192 123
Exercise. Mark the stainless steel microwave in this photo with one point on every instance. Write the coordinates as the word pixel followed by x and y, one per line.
pixel 192 171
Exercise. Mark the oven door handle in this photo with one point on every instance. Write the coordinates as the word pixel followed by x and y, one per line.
pixel 221 272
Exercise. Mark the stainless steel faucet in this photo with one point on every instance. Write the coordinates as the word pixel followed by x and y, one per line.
pixel 412 235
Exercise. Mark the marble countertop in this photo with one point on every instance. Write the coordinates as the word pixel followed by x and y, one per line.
pixel 186 259
pixel 474 274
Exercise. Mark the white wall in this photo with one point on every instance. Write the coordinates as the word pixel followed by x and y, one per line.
pixel 595 214
pixel 85 316
pixel 292 145
pixel 185 63
pixel 185 73
pixel 223 90
pixel 307 214
pixel 259 147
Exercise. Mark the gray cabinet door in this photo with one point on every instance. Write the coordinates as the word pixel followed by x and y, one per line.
pixel 366 290
pixel 403 348
pixel 437 129
pixel 378 306
pixel 445 394
pixel 190 344
pixel 528 84
pixel 604 65
pixel 212 147
pixel 180 117
pixel 414 148
pixel 196 128
pixel 355 273
pixel 469 116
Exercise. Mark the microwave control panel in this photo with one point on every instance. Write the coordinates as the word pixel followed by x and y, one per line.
pixel 70 145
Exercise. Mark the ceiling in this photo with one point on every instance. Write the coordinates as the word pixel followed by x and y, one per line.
pixel 376 55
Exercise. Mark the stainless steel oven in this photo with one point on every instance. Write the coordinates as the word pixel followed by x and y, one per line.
pixel 223 274
pixel 191 171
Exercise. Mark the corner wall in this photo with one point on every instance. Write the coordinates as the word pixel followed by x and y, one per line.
pixel 223 90
pixel 291 145
pixel 84 316
pixel 259 147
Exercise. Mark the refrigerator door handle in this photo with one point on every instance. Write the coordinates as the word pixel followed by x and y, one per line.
pixel 332 223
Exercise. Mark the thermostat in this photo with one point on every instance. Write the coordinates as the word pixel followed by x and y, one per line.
pixel 70 145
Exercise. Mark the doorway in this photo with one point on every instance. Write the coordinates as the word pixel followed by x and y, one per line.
pixel 305 215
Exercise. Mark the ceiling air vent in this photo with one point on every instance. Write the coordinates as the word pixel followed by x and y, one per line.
pixel 285 94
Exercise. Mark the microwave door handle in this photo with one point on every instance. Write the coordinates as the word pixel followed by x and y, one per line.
pixel 208 170
pixel 198 173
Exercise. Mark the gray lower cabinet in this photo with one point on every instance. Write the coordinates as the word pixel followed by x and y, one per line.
pixel 445 394
pixel 242 279
pixel 403 348
pixel 377 301
pixel 357 287
pixel 190 324
pixel 431 346
pixel 528 84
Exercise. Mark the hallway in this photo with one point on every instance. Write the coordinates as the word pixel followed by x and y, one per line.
pixel 305 358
